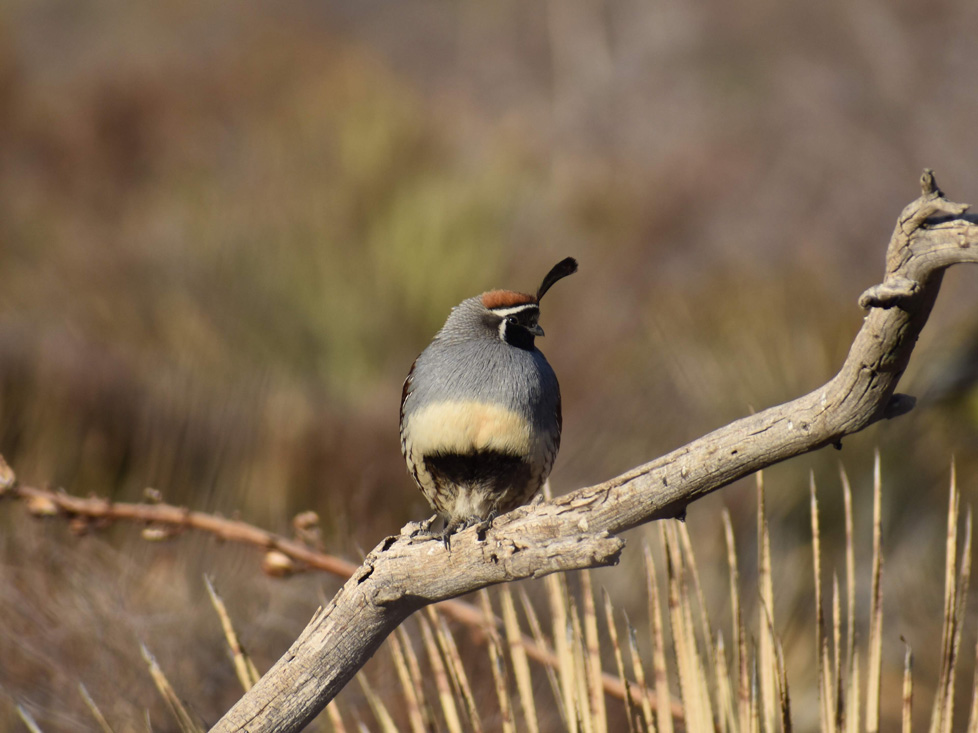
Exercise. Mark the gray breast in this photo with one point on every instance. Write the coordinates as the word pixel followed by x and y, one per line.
pixel 488 371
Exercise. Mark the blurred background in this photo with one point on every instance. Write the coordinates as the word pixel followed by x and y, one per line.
pixel 226 230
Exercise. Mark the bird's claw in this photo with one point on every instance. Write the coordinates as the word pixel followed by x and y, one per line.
pixel 482 525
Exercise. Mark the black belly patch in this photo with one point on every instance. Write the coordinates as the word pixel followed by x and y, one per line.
pixel 487 470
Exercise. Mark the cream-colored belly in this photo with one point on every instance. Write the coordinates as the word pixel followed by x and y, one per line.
pixel 464 427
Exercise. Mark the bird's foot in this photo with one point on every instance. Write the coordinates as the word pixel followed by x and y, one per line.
pixel 455 525
pixel 484 525
pixel 481 524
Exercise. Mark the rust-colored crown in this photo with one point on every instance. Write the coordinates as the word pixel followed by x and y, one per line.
pixel 506 299
pixel 510 298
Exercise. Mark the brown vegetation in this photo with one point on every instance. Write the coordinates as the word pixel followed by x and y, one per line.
pixel 225 232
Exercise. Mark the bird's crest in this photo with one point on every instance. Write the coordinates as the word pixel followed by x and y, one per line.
pixel 505 299
pixel 495 299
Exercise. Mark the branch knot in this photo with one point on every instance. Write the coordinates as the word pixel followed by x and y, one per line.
pixel 893 291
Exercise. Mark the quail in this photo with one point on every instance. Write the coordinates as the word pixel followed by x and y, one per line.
pixel 480 409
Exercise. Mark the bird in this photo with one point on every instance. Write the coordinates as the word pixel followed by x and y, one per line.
pixel 480 408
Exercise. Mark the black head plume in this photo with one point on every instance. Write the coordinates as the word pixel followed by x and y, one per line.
pixel 567 266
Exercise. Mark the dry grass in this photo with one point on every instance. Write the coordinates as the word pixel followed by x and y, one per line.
pixel 446 680
pixel 851 692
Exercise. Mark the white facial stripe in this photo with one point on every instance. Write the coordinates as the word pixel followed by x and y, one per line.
pixel 515 309
pixel 504 313
pixel 465 427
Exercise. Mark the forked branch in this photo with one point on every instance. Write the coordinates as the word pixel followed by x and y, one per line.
pixel 578 530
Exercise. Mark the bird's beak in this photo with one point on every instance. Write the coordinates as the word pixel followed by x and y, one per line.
pixel 536 330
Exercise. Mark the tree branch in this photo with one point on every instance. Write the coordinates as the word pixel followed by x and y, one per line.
pixel 166 520
pixel 403 574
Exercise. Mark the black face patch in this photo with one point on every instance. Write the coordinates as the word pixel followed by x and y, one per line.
pixel 517 326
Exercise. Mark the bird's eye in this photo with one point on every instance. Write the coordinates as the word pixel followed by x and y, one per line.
pixel 511 320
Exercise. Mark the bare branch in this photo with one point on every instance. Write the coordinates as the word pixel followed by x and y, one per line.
pixel 405 573
pixel 169 519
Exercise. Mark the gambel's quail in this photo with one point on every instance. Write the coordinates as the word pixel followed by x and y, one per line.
pixel 480 410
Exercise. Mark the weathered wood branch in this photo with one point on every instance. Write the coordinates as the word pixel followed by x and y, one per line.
pixel 403 574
